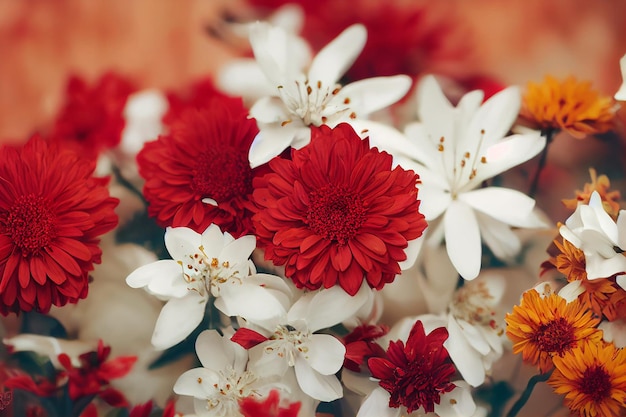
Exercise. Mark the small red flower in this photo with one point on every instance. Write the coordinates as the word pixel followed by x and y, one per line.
pixel 205 156
pixel 337 212
pixel 92 118
pixel 418 373
pixel 360 346
pixel 268 407
pixel 52 212
pixel 95 373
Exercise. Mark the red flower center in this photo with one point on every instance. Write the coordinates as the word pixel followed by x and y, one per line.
pixel 596 384
pixel 416 385
pixel 222 174
pixel 31 224
pixel 335 213
pixel 556 336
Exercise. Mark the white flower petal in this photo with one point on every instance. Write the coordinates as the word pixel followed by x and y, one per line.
pixel 179 317
pixel 270 142
pixel 329 307
pixel 463 239
pixel 333 60
pixel 621 281
pixel 181 242
pixel 325 353
pixel 434 110
pixel 494 118
pixel 244 78
pixel 371 94
pixel 321 387
pixel 239 250
pixel 50 347
pixel 211 351
pixel 621 93
pixel 508 206
pixel 377 405
pixel 499 237
pixel 456 403
pixel 268 110
pixel 248 300
pixel 466 359
pixel 412 251
pixel 159 270
pixel 197 383
pixel 276 51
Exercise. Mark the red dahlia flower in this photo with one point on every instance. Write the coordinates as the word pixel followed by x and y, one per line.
pixel 269 407
pixel 418 373
pixel 199 173
pixel 52 212
pixel 92 117
pixel 337 212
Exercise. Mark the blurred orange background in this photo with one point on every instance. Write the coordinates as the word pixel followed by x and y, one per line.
pixel 164 44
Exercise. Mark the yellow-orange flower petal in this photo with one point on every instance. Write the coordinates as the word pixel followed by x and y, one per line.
pixel 592 376
pixel 569 105
pixel 545 327
pixel 602 184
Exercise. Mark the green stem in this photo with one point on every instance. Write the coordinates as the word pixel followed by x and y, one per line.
pixel 549 133
pixel 521 401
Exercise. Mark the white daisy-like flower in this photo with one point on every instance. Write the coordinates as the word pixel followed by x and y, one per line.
pixel 312 96
pixel 211 264
pixel 222 380
pixel 289 340
pixel 591 229
pixel 454 150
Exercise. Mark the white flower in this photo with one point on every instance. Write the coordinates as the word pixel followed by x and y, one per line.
pixel 292 341
pixel 51 347
pixel 592 230
pixel 223 378
pixel 213 263
pixel 312 98
pixel 454 150
pixel 621 93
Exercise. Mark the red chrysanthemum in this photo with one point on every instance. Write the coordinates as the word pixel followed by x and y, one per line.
pixel 269 407
pixel 199 96
pixel 204 157
pixel 337 212
pixel 52 212
pixel 417 373
pixel 92 118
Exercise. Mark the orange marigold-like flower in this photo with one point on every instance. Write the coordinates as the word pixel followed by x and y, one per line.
pixel 592 377
pixel 545 327
pixel 569 105
pixel 602 184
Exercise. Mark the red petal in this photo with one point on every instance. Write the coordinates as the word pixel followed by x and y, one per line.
pixel 248 338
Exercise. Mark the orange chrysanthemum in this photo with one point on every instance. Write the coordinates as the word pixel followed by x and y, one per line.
pixel 602 184
pixel 545 327
pixel 569 105
pixel 592 377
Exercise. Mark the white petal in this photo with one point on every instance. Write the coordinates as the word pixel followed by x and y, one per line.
pixel 621 93
pixel 434 198
pixel 142 276
pixel 243 77
pixel 504 155
pixel 179 317
pixel 371 94
pixel 467 360
pixel 268 110
pixel 502 241
pixel 503 204
pixel 621 281
pixel 463 239
pixel 50 347
pixel 332 61
pixel 250 301
pixel 600 267
pixel 325 353
pixel 572 290
pixel 270 142
pixel 412 251
pixel 494 118
pixel 422 149
pixel 239 250
pixel 434 110
pixel 384 137
pixel 320 387
pixel 181 242
pixel 377 405
pixel 211 351
pixel 456 403
pixel 197 383
pixel 329 307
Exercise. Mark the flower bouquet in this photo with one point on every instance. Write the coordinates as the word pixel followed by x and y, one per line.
pixel 314 231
